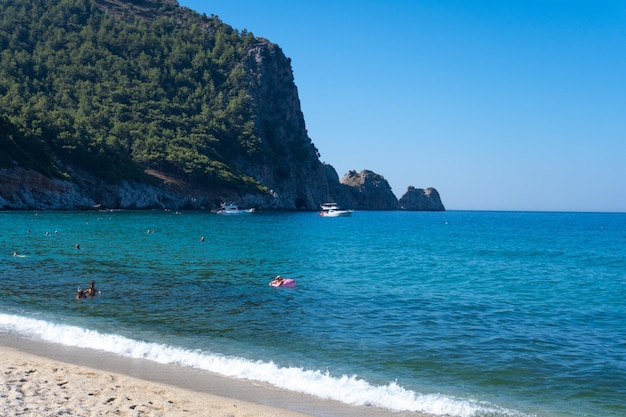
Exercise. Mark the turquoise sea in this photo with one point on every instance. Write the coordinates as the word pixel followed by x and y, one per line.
pixel 449 313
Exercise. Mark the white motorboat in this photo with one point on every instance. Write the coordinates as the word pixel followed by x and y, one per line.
pixel 229 209
pixel 333 210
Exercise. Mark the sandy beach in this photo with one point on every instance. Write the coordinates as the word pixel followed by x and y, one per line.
pixel 37 386
pixel 49 379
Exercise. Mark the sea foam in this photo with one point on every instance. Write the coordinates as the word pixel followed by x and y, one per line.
pixel 348 389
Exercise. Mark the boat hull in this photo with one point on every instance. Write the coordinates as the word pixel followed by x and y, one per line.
pixel 333 210
pixel 232 209
pixel 336 213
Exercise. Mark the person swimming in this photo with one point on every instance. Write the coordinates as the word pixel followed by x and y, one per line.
pixel 80 294
pixel 91 291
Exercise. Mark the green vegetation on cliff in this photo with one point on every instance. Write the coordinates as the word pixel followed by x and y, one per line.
pixel 116 87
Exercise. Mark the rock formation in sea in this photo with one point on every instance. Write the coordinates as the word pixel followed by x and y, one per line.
pixel 419 199
pixel 367 190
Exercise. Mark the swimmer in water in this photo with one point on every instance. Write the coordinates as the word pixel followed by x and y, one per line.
pixel 91 291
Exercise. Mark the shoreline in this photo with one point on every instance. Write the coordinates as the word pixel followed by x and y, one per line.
pixel 42 378
pixel 35 385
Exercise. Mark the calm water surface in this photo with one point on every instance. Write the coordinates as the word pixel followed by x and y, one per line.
pixel 459 313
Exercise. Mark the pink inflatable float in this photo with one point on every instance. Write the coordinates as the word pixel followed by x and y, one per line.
pixel 283 282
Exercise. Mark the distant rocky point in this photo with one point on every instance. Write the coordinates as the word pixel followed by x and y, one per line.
pixel 419 199
pixel 367 190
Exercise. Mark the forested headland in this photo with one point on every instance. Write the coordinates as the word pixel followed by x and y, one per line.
pixel 146 104
pixel 118 87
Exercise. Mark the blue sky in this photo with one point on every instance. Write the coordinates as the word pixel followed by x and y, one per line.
pixel 499 105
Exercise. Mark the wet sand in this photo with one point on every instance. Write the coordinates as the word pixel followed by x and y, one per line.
pixel 43 379
pixel 37 386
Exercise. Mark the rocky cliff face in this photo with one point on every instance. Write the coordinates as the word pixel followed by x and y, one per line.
pixel 28 189
pixel 22 189
pixel 421 199
pixel 290 167
pixel 367 190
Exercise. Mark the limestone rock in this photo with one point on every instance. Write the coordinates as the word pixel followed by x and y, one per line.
pixel 27 189
pixel 367 190
pixel 419 199
pixel 288 163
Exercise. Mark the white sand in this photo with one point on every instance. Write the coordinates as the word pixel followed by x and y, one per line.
pixel 36 386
